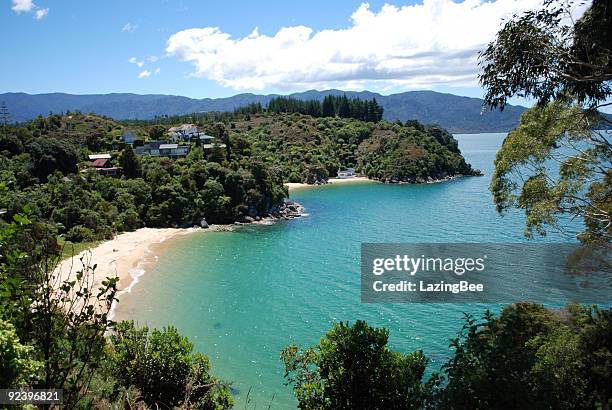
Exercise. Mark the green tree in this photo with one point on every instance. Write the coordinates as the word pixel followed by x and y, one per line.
pixel 130 163
pixel 344 108
pixel 531 357
pixel 567 68
pixel 328 109
pixel 162 365
pixel 579 187
pixel 157 132
pixel 352 367
pixel 48 155
pixel 221 133
pixel 542 54
pixel 17 367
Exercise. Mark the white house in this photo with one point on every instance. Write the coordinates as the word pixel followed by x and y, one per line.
pixel 184 132
pixel 346 173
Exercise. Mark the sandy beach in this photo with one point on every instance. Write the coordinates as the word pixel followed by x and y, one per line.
pixel 123 255
pixel 336 181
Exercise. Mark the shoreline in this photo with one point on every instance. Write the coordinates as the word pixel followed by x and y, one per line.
pixel 124 256
pixel 128 255
pixel 330 181
pixel 341 181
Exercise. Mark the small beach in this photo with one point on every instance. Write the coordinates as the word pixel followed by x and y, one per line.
pixel 123 256
pixel 335 181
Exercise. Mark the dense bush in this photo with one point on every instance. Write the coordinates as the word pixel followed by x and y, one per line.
pixel 352 367
pixel 48 155
pixel 163 367
pixel 79 233
pixel 527 357
pixel 532 357
pixel 153 192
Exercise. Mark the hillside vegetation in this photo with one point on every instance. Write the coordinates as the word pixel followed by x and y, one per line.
pixel 311 149
pixel 44 165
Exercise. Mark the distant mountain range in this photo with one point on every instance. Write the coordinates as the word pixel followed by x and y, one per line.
pixel 455 113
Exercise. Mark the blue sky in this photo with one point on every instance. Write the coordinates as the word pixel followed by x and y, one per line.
pixel 85 47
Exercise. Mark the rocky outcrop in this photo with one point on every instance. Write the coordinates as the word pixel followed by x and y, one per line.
pixel 290 210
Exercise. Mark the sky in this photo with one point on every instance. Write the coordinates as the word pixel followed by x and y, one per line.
pixel 215 49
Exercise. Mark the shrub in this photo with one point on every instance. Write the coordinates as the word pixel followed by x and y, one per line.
pixel 162 365
pixel 79 233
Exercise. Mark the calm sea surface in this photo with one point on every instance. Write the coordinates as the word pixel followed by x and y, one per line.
pixel 242 296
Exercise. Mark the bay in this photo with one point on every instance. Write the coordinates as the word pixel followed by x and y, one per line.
pixel 242 296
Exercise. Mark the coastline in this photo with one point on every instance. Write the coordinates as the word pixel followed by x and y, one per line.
pixel 341 181
pixel 128 254
pixel 333 181
pixel 123 256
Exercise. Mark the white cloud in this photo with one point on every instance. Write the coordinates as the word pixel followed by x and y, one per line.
pixel 129 28
pixel 422 45
pixel 144 74
pixel 23 6
pixel 41 13
pixel 152 59
pixel 28 6
pixel 134 60
pixel 157 71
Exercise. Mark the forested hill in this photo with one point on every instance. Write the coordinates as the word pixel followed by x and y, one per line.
pixel 457 114
pixel 45 164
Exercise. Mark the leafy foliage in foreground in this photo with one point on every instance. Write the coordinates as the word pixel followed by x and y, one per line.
pixel 352 367
pixel 580 185
pixel 566 65
pixel 164 369
pixel 526 357
pixel 52 327
pixel 58 318
pixel 532 357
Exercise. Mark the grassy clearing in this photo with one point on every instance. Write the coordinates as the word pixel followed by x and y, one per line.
pixel 70 249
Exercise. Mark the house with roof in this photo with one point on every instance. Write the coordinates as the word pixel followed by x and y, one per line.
pixel 173 150
pixel 346 173
pixel 103 165
pixel 162 149
pixel 210 146
pixel 206 139
pixel 184 132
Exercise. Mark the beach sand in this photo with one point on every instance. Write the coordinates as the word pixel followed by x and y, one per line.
pixel 335 181
pixel 123 256
pixel 127 254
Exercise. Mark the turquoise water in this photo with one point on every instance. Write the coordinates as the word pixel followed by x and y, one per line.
pixel 242 296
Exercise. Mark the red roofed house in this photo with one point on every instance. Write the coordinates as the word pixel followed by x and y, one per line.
pixel 102 164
